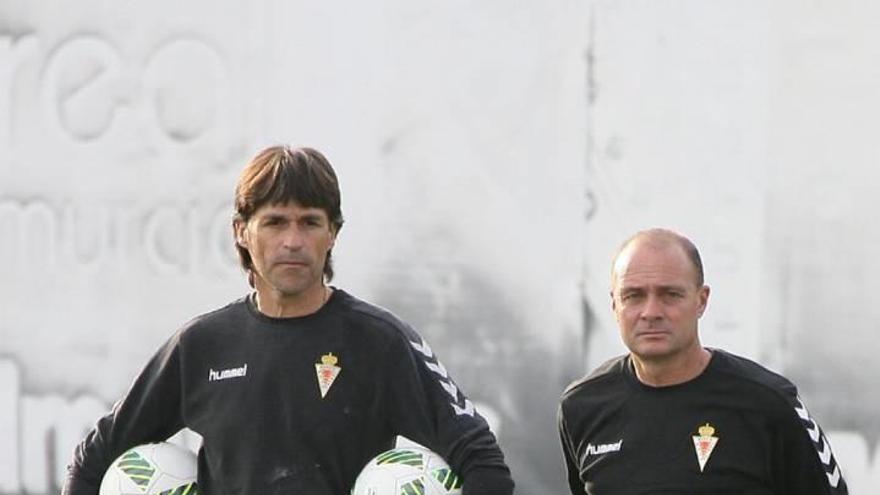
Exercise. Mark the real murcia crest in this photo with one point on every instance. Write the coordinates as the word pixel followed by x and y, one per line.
pixel 327 371
pixel 704 444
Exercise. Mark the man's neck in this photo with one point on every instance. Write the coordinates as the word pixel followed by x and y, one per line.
pixel 673 370
pixel 272 303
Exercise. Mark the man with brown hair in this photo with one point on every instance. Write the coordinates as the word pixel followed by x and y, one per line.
pixel 673 416
pixel 294 387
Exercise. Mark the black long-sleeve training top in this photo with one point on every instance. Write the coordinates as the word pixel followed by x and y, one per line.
pixel 737 428
pixel 295 405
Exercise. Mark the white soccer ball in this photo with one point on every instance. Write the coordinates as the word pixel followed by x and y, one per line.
pixel 407 470
pixel 152 469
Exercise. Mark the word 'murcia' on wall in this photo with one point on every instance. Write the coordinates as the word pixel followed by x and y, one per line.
pixel 167 238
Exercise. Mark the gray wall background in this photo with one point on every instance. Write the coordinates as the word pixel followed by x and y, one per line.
pixel 492 155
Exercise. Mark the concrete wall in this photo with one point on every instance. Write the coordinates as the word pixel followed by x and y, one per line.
pixel 749 126
pixel 123 128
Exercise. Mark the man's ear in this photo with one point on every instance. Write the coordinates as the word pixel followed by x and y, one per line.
pixel 704 299
pixel 239 229
pixel 333 233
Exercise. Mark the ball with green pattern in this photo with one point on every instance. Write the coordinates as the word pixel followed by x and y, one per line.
pixel 407 470
pixel 152 469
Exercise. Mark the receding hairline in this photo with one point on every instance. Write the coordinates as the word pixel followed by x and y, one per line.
pixel 661 238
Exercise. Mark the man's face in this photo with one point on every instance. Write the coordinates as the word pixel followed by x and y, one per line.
pixel 288 244
pixel 656 300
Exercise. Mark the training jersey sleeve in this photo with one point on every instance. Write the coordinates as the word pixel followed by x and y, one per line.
pixel 571 467
pixel 806 464
pixel 149 412
pixel 429 408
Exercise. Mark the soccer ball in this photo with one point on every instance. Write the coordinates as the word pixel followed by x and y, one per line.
pixel 152 469
pixel 407 471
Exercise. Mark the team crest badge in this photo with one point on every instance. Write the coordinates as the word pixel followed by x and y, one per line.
pixel 327 371
pixel 704 444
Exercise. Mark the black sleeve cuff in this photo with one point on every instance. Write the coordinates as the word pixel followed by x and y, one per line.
pixel 487 481
pixel 77 486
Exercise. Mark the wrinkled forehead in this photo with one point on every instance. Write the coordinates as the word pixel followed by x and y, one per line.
pixel 652 262
pixel 290 209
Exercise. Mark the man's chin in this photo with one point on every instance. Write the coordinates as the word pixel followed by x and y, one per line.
pixel 287 286
pixel 650 351
pixel 296 288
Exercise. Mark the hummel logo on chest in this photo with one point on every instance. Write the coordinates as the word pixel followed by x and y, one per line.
pixel 604 448
pixel 228 373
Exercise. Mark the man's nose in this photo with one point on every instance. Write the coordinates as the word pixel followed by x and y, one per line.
pixel 653 308
pixel 292 238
